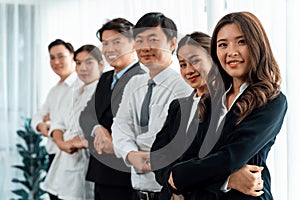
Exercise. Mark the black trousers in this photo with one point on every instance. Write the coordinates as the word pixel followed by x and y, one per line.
pixel 52 197
pixel 51 158
pixel 104 192
pixel 146 195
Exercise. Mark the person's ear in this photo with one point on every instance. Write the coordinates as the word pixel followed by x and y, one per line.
pixel 101 66
pixel 173 43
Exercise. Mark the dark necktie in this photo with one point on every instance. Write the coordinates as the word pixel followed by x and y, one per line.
pixel 115 80
pixel 145 107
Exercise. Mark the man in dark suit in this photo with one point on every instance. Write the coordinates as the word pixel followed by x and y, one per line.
pixel 110 174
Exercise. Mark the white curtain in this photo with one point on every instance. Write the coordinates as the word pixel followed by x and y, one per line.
pixel 27 27
pixel 19 50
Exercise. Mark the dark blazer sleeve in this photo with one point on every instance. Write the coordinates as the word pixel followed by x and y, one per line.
pixel 163 138
pixel 235 147
pixel 172 141
pixel 88 118
pixel 161 160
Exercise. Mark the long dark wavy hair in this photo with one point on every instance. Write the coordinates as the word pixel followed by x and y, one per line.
pixel 202 41
pixel 264 75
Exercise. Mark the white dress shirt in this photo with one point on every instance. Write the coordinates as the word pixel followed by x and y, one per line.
pixel 126 130
pixel 56 104
pixel 194 107
pixel 66 176
pixel 224 111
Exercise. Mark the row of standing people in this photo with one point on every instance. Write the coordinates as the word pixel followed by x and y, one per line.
pixel 201 141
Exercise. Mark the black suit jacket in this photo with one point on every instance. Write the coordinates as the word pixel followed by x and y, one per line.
pixel 106 169
pixel 246 143
pixel 174 139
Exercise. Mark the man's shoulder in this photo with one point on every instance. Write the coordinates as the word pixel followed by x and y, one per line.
pixel 138 78
pixel 107 73
pixel 135 69
pixel 174 78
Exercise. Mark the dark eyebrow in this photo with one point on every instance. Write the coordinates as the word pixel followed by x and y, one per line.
pixel 88 59
pixel 189 58
pixel 238 37
pixel 117 38
pixel 221 40
pixel 241 36
pixel 153 34
pixel 147 36
pixel 193 56
pixel 59 54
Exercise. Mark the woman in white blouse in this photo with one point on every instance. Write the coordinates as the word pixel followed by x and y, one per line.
pixel 66 176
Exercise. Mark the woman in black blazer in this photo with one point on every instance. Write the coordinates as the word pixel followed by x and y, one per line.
pixel 171 141
pixel 253 110
pixel 186 115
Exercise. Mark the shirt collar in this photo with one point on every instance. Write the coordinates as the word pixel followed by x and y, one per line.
pixel 163 75
pixel 91 86
pixel 242 89
pixel 195 97
pixel 86 88
pixel 71 79
pixel 123 71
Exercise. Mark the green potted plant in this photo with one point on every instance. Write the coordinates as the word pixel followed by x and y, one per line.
pixel 34 163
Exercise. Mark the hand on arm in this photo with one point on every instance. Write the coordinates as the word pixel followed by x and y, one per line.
pixel 46 118
pixel 67 146
pixel 79 142
pixel 43 128
pixel 247 180
pixel 103 141
pixel 140 160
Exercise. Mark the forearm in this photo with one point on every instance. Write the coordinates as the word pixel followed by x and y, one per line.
pixel 57 136
pixel 238 146
pixel 123 138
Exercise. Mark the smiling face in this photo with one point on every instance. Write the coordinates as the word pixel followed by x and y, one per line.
pixel 87 67
pixel 117 49
pixel 195 64
pixel 233 52
pixel 153 48
pixel 61 61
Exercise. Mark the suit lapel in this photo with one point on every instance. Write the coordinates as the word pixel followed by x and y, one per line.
pixel 103 101
pixel 227 124
pixel 185 107
pixel 117 92
pixel 125 78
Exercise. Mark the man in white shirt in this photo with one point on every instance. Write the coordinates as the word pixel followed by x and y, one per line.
pixel 61 61
pixel 66 176
pixel 134 128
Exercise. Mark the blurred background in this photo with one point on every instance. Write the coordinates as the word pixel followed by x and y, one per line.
pixel 28 26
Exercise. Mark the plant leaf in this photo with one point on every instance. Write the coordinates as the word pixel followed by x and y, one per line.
pixel 25 183
pixel 35 163
pixel 21 192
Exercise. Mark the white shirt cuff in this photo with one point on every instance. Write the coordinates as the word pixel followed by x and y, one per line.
pixel 224 187
pixel 93 131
